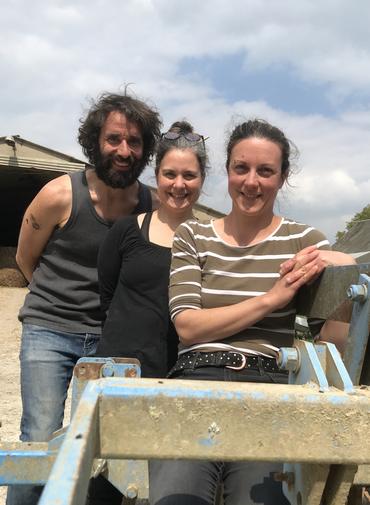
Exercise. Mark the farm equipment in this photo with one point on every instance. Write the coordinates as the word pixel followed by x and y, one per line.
pixel 317 423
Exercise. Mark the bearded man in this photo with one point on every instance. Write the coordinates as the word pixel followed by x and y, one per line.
pixel 61 232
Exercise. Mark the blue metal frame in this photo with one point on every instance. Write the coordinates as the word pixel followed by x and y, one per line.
pixel 359 328
pixel 103 367
pixel 69 479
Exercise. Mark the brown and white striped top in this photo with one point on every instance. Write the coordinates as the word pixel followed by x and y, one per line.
pixel 207 272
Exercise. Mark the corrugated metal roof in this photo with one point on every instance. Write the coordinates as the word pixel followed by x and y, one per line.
pixel 40 164
pixel 51 152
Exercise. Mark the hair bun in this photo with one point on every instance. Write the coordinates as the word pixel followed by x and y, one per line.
pixel 181 127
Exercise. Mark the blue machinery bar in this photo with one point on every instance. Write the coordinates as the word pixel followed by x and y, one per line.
pixel 68 481
pixel 359 327
pixel 21 466
pixel 123 418
pixel 205 420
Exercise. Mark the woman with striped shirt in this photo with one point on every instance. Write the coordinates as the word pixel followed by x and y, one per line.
pixel 232 299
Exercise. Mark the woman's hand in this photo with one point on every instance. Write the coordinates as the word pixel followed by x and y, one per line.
pixel 300 259
pixel 295 273
pixel 324 259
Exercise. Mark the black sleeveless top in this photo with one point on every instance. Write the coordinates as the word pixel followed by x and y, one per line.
pixel 64 292
pixel 133 276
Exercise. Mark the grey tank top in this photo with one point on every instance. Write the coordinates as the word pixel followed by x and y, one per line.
pixel 64 294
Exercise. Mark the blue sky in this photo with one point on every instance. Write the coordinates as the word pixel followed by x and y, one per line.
pixel 304 66
pixel 279 85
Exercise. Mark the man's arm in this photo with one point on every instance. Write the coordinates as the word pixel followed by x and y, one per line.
pixel 50 209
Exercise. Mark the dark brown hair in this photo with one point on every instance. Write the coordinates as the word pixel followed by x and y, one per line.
pixel 262 129
pixel 137 111
pixel 197 147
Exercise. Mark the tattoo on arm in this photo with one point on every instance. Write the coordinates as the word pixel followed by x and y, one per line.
pixel 35 224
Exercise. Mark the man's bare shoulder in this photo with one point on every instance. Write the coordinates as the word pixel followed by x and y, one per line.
pixel 53 203
pixel 56 193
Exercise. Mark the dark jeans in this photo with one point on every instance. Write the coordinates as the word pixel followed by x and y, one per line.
pixel 47 359
pixel 193 482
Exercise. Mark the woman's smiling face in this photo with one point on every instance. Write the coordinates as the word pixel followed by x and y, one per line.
pixel 179 179
pixel 254 176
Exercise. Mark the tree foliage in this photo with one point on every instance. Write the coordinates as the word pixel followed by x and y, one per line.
pixel 360 216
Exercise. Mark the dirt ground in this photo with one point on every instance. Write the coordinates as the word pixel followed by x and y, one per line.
pixel 11 299
pixel 10 406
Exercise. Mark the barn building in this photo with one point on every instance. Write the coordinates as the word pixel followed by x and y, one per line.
pixel 24 168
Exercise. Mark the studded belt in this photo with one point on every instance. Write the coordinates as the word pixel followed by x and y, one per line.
pixel 227 359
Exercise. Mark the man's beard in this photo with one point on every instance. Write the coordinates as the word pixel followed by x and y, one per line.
pixel 117 178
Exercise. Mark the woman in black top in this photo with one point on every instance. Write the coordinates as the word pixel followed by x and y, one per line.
pixel 134 265
pixel 134 260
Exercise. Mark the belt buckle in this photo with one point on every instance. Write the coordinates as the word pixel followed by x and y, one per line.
pixel 244 362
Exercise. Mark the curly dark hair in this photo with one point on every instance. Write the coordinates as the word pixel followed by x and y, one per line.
pixel 137 111
pixel 198 147
pixel 262 129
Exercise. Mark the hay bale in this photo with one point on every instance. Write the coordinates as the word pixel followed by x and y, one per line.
pixel 12 278
pixel 7 257
pixel 10 275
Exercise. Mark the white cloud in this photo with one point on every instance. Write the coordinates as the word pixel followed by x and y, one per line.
pixel 56 54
